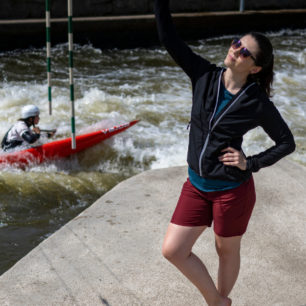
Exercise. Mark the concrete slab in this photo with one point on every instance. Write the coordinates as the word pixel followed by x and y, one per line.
pixel 110 254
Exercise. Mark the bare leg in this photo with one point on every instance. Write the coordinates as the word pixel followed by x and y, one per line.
pixel 177 246
pixel 228 249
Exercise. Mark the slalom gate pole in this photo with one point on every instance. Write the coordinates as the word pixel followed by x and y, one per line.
pixel 241 8
pixel 48 46
pixel 70 42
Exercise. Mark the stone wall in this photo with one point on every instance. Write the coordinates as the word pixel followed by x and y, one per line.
pixel 19 9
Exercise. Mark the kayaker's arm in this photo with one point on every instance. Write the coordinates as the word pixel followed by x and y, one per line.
pixel 30 138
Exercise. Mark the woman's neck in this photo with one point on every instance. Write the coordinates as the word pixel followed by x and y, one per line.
pixel 27 122
pixel 233 82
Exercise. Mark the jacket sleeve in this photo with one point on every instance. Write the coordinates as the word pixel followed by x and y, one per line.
pixel 275 126
pixel 30 137
pixel 193 64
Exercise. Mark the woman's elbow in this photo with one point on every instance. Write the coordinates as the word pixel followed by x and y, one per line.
pixel 291 146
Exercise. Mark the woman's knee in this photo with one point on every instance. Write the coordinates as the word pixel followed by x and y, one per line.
pixel 174 252
pixel 170 252
pixel 224 252
pixel 179 241
pixel 228 247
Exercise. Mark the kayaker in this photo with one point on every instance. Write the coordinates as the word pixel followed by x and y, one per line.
pixel 227 103
pixel 21 134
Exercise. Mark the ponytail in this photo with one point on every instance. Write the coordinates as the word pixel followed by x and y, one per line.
pixel 264 59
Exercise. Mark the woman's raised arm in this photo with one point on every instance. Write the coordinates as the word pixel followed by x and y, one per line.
pixel 193 64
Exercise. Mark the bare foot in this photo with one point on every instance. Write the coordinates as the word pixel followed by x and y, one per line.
pixel 223 301
pixel 226 302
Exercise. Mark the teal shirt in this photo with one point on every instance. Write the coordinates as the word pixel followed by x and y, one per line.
pixel 202 183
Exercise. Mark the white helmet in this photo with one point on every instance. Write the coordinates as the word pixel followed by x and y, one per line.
pixel 29 111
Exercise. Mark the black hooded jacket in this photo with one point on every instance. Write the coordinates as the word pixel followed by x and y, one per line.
pixel 209 134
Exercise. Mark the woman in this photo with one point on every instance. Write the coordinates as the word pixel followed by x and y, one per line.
pixel 21 134
pixel 227 103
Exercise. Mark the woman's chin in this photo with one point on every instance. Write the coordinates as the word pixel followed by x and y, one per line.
pixel 227 62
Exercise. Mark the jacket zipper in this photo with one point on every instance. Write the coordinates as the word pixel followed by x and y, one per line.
pixel 210 128
pixel 209 125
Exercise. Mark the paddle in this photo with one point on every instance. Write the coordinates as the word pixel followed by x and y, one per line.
pixel 48 131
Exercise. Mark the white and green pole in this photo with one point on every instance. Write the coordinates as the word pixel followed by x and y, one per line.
pixel 48 45
pixel 241 8
pixel 70 42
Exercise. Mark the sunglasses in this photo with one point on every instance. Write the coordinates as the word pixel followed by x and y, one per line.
pixel 244 52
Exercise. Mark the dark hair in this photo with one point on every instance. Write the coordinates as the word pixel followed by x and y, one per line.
pixel 29 121
pixel 264 59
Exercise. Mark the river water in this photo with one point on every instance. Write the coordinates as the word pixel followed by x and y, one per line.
pixel 114 87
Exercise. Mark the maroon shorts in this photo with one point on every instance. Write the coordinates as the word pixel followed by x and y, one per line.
pixel 230 209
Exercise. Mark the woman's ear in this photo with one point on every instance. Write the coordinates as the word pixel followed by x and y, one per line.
pixel 255 69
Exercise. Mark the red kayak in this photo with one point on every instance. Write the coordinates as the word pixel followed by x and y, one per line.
pixel 60 148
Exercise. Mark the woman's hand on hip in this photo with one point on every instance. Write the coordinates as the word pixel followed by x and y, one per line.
pixel 233 157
